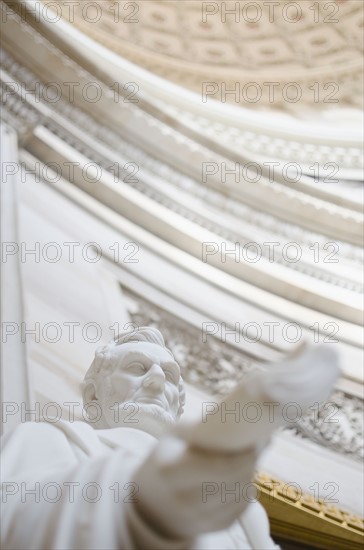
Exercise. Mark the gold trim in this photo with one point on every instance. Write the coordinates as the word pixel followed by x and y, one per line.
pixel 299 517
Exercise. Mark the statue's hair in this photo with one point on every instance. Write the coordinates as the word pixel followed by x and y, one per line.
pixel 104 356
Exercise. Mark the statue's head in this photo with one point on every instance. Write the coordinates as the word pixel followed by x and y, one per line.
pixel 134 381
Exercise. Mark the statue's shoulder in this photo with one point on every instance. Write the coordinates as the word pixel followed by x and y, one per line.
pixel 27 429
pixel 27 436
pixel 59 436
pixel 79 434
pixel 64 424
pixel 47 427
pixel 77 427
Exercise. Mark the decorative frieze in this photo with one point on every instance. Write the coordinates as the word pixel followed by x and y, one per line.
pixel 337 424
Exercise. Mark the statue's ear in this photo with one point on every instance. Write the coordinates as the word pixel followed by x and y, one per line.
pixel 89 391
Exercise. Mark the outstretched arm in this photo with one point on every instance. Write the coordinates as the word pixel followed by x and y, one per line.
pixel 222 450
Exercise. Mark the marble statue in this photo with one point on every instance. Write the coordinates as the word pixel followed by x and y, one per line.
pixel 132 476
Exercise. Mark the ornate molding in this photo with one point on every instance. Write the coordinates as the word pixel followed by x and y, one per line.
pixel 19 115
pixel 254 142
pixel 300 517
pixel 262 144
pixel 246 216
pixel 221 204
pixel 191 186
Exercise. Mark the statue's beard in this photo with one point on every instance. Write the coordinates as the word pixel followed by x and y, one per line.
pixel 152 419
pixel 147 417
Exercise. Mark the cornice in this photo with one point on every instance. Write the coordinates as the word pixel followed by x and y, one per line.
pixel 265 193
pixel 192 188
pixel 267 225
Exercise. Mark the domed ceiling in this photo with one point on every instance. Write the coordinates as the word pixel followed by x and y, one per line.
pixel 255 54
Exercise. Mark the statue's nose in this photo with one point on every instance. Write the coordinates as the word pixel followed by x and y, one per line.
pixel 155 378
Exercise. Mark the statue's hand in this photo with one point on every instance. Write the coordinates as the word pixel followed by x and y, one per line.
pixel 182 489
pixel 248 416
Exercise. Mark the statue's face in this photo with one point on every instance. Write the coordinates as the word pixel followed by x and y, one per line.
pixel 144 382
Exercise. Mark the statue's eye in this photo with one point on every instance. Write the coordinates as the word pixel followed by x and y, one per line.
pixel 136 368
